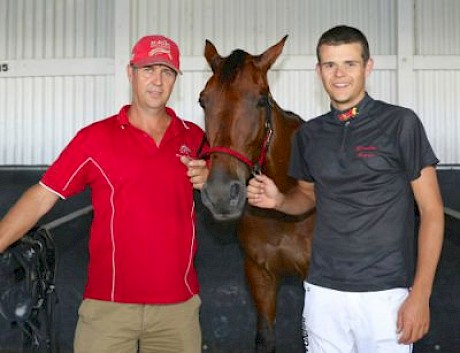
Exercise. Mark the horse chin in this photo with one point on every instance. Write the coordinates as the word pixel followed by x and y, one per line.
pixel 223 208
pixel 225 217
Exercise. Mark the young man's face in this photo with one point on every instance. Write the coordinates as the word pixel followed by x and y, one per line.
pixel 343 73
pixel 152 85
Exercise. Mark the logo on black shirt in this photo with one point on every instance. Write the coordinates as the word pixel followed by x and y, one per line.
pixel 365 151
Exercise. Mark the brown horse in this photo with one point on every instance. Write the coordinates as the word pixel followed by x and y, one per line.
pixel 249 133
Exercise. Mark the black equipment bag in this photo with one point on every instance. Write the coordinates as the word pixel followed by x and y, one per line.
pixel 27 289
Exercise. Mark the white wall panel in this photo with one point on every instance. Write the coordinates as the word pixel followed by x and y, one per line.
pixel 437 24
pixel 298 91
pixel 437 102
pixel 37 29
pixel 66 59
pixel 254 25
pixel 39 115
pixel 437 42
pixel 184 99
pixel 44 101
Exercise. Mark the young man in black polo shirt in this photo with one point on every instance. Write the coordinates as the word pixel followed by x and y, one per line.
pixel 362 165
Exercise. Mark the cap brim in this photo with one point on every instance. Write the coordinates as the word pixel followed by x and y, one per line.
pixel 158 61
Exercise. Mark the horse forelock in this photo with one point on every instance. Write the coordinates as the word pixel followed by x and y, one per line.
pixel 232 64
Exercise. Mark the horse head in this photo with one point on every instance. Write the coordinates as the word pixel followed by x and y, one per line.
pixel 240 123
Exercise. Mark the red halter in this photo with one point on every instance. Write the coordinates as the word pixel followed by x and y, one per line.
pixel 254 166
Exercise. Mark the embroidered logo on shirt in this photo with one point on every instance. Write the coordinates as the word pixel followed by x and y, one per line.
pixel 365 151
pixel 349 114
pixel 184 150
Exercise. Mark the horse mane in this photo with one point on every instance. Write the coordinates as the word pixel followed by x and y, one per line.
pixel 291 115
pixel 232 64
pixel 288 115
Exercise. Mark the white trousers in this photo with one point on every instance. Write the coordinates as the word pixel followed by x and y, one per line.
pixel 352 322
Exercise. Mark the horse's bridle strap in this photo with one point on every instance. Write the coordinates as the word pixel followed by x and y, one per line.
pixel 256 166
pixel 253 166
pixel 237 155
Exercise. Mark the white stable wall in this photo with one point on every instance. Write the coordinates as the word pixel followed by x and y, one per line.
pixel 63 62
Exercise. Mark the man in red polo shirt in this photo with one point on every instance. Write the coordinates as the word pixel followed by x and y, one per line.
pixel 142 288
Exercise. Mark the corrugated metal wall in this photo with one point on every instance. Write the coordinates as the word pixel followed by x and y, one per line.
pixel 66 59
pixel 44 99
pixel 437 82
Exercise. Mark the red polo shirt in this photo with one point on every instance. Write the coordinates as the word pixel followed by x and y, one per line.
pixel 142 241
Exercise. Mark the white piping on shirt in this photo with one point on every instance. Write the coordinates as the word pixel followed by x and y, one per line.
pixel 190 260
pixel 184 124
pixel 51 190
pixel 112 236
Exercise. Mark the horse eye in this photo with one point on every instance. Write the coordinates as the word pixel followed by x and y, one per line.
pixel 263 101
pixel 202 99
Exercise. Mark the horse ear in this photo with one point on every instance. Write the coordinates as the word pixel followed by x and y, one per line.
pixel 269 56
pixel 212 56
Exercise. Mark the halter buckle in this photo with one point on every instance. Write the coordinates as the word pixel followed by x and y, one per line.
pixel 256 169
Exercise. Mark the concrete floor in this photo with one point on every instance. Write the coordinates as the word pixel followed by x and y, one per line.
pixel 227 315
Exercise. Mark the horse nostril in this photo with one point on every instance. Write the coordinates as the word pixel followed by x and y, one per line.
pixel 235 194
pixel 234 191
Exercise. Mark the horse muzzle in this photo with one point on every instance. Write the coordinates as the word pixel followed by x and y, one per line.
pixel 225 201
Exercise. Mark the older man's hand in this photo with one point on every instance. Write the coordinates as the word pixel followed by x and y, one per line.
pixel 197 171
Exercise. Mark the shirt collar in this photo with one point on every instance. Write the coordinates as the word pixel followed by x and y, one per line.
pixel 351 113
pixel 123 118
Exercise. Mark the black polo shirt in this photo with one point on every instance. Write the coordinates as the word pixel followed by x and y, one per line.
pixel 362 168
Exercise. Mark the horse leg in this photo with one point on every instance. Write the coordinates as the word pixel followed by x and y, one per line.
pixel 263 286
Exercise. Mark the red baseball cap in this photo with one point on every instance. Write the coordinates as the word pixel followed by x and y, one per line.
pixel 156 49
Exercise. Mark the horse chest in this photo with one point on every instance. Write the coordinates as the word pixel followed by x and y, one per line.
pixel 282 248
